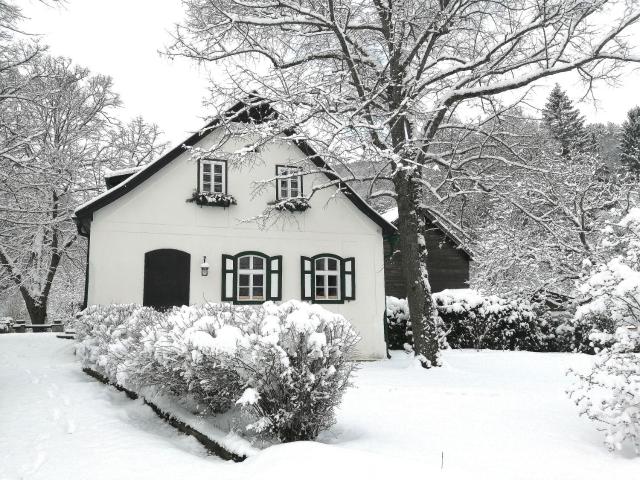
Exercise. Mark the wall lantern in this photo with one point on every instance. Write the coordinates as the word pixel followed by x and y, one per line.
pixel 204 267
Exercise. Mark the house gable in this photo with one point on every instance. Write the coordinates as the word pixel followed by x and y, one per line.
pixel 241 112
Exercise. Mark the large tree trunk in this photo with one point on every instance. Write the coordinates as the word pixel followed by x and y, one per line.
pixel 37 309
pixel 423 313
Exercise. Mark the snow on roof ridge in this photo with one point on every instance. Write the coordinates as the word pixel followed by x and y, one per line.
pixel 122 171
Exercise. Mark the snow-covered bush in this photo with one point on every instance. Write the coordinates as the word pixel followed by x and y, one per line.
pixel 472 320
pixel 95 327
pixel 287 365
pixel 610 392
pixel 399 334
pixel 296 366
pixel 476 321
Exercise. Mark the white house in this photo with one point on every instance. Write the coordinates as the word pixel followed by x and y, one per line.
pixel 148 244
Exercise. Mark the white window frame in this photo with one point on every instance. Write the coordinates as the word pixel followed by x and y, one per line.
pixel 283 185
pixel 252 273
pixel 325 274
pixel 212 182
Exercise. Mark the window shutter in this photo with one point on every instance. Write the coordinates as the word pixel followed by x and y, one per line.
pixel 198 181
pixel 306 278
pixel 228 278
pixel 349 278
pixel 275 278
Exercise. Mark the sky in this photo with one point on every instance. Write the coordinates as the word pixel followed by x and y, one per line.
pixel 121 38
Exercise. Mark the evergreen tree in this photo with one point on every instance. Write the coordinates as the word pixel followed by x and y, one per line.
pixel 630 141
pixel 565 123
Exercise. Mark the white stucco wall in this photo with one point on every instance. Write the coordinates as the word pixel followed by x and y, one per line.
pixel 155 215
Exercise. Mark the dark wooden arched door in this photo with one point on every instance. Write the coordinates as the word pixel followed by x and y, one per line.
pixel 166 278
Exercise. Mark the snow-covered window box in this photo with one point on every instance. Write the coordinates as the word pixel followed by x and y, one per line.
pixel 299 204
pixel 212 199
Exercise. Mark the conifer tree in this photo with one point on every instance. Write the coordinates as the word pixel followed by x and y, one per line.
pixel 630 141
pixel 565 123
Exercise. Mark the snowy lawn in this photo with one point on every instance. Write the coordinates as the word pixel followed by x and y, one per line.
pixel 500 415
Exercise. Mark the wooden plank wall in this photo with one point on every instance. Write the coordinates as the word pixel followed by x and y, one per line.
pixel 448 266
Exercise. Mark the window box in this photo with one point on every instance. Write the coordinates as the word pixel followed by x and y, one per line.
pixel 299 204
pixel 212 199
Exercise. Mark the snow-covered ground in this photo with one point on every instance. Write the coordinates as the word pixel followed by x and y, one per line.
pixel 499 415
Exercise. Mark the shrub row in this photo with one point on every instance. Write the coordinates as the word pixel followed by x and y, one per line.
pixel 286 366
pixel 471 320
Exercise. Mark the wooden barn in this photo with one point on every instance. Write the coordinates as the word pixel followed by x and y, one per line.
pixel 449 258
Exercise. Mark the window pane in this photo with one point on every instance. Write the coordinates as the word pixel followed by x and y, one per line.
pixel 206 167
pixel 258 280
pixel 320 264
pixel 206 187
pixel 258 263
pixel 206 177
pixel 319 292
pixel 333 264
pixel 217 188
pixel 243 280
pixel 243 292
pixel 217 178
pixel 320 280
pixel 332 280
pixel 217 168
pixel 244 262
pixel 333 292
pixel 258 293
pixel 294 192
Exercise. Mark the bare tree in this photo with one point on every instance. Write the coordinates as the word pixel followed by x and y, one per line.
pixel 382 79
pixel 56 137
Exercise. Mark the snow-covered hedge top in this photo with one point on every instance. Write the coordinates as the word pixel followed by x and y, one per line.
pixel 286 365
pixel 466 300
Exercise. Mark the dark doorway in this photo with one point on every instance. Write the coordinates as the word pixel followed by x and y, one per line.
pixel 166 278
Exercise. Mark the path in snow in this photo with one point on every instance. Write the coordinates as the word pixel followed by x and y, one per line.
pixel 57 423
pixel 498 415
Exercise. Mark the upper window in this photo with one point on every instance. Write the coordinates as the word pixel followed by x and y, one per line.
pixel 328 278
pixel 289 182
pixel 251 277
pixel 213 176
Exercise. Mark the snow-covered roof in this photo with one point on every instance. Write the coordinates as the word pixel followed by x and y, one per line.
pixel 391 215
pixel 121 171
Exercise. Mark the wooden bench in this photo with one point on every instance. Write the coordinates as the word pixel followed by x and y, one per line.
pixel 45 327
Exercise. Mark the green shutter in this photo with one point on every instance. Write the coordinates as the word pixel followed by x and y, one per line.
pixel 274 272
pixel 349 278
pixel 306 278
pixel 228 278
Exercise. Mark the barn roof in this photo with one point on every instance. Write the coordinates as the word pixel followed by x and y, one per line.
pixel 391 216
pixel 253 109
